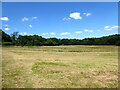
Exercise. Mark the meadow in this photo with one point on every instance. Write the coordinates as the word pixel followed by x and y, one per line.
pixel 60 66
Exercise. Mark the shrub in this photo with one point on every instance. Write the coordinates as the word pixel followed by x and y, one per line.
pixel 6 43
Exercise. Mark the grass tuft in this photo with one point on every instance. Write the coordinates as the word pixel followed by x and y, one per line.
pixel 45 67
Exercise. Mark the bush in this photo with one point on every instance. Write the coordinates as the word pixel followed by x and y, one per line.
pixel 6 43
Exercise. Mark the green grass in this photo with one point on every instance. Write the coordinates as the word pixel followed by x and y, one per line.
pixel 44 67
pixel 60 67
pixel 49 63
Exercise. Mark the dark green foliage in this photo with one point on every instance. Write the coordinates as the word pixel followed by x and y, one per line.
pixel 30 40
pixel 7 43
pixel 5 37
pixel 35 40
pixel 39 41
pixel 106 40
pixel 52 41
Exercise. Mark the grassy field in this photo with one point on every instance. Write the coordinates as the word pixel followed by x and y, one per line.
pixel 60 67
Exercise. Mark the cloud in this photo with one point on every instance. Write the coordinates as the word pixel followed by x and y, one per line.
pixel 78 32
pixel 87 14
pixel 23 33
pixel 30 26
pixel 29 19
pixel 88 30
pixel 25 19
pixel 4 19
pixel 108 28
pixel 34 17
pixel 75 15
pixel 52 33
pixel 7 29
pixel 66 19
pixel 65 33
pixel 45 33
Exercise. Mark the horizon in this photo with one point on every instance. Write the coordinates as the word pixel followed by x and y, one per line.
pixel 76 20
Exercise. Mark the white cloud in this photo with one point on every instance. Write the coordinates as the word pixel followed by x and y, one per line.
pixel 4 19
pixel 45 33
pixel 7 29
pixel 75 15
pixel 78 32
pixel 107 28
pixel 52 33
pixel 25 19
pixel 111 27
pixel 87 14
pixel 23 33
pixel 29 19
pixel 66 19
pixel 88 30
pixel 65 33
pixel 34 17
pixel 30 26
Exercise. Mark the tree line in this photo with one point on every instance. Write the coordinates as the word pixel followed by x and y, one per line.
pixel 35 40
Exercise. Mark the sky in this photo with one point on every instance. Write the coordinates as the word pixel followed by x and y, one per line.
pixel 60 19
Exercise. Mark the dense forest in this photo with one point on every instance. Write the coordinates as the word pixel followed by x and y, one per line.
pixel 35 40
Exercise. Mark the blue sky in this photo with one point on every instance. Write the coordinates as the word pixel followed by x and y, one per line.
pixel 61 20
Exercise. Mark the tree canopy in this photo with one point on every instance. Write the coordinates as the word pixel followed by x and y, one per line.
pixel 35 40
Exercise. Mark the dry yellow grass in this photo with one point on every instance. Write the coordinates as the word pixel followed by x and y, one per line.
pixel 60 67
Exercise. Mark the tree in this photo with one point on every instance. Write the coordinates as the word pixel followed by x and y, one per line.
pixel 35 40
pixel 14 37
pixel 5 37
